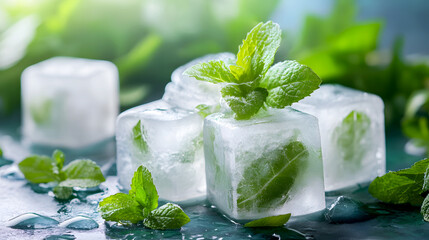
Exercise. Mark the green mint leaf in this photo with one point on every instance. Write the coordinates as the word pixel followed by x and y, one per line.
pixel 426 181
pixel 257 52
pixel 139 137
pixel 205 110
pixel 59 158
pixel 349 135
pixel 39 169
pixel 268 180
pixel 121 207
pixel 288 82
pixel 215 71
pixel 168 216
pixel 425 209
pixel 273 221
pixel 416 172
pixel 41 113
pixel 143 190
pixel 396 189
pixel 244 102
pixel 1 152
pixel 82 173
pixel 63 193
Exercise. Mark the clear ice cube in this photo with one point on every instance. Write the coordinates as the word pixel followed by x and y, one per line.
pixel 352 134
pixel 168 141
pixel 268 165
pixel 69 102
pixel 187 92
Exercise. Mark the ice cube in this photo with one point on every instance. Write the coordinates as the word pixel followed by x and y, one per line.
pixel 188 92
pixel 268 165
pixel 352 134
pixel 346 210
pixel 69 102
pixel 168 141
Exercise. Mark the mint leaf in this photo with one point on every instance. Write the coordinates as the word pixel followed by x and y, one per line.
pixel 63 193
pixel 59 158
pixel 273 221
pixel 416 172
pixel 288 82
pixel 82 173
pixel 396 189
pixel 168 216
pixel 244 102
pixel 268 180
pixel 215 71
pixel 426 181
pixel 121 207
pixel 425 209
pixel 205 110
pixel 41 113
pixel 1 152
pixel 349 136
pixel 39 169
pixel 257 52
pixel 143 190
pixel 139 137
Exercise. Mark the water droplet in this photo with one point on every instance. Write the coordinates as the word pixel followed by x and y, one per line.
pixel 60 237
pixel 80 223
pixel 346 210
pixel 32 221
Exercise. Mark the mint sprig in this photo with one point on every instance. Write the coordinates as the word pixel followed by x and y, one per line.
pixel 273 221
pixel 140 204
pixel 407 186
pixel 249 83
pixel 82 173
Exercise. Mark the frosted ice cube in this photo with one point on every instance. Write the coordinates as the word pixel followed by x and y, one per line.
pixel 265 166
pixel 168 141
pixel 69 102
pixel 352 134
pixel 187 92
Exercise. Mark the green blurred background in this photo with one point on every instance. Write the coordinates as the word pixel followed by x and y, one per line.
pixel 376 46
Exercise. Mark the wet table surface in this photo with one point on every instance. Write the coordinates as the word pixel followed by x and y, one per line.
pixel 17 197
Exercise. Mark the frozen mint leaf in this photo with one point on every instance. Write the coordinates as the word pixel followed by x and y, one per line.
pixel 273 221
pixel 63 193
pixel 245 103
pixel 288 82
pixel 139 137
pixel 143 190
pixel 39 169
pixel 257 52
pixel 41 113
pixel 268 180
pixel 215 71
pixel 205 110
pixel 59 158
pixel 425 209
pixel 121 207
pixel 396 189
pixel 82 173
pixel 426 181
pixel 168 216
pixel 349 137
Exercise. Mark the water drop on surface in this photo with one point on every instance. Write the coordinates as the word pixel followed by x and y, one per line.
pixel 80 223
pixel 346 210
pixel 32 221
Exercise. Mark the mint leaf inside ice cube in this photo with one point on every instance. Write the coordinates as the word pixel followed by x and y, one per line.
pixel 41 112
pixel 350 135
pixel 168 216
pixel 269 179
pixel 273 221
pixel 139 137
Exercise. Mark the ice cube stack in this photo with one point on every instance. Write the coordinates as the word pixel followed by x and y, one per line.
pixel 352 134
pixel 166 136
pixel 69 102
